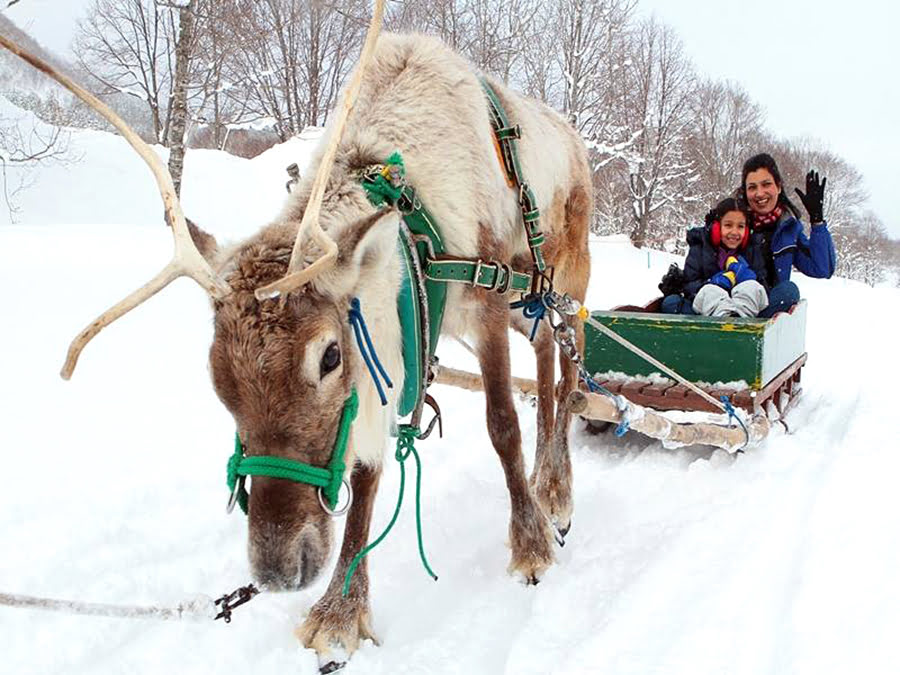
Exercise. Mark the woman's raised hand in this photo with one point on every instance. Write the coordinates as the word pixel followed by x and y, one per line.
pixel 815 195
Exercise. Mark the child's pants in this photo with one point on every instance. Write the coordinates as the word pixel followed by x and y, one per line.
pixel 746 299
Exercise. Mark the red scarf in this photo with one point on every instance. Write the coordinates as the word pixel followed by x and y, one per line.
pixel 768 219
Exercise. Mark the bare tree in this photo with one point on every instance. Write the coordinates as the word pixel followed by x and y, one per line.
pixel 23 145
pixel 184 52
pixel 726 129
pixel 290 57
pixel 657 86
pixel 493 34
pixel 866 252
pixel 128 46
pixel 215 49
pixel 592 46
pixel 33 136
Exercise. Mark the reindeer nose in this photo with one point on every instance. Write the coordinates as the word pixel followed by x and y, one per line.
pixel 281 562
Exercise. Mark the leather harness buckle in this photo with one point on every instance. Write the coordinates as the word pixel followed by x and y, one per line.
pixel 496 267
pixel 478 265
pixel 507 280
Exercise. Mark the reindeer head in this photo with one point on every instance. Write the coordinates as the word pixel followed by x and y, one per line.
pixel 284 367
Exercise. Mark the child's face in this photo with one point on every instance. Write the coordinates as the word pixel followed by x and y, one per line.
pixel 733 224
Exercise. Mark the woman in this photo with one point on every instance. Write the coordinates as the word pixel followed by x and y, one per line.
pixel 724 274
pixel 778 232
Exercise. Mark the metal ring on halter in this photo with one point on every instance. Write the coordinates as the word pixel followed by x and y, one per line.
pixel 232 500
pixel 336 512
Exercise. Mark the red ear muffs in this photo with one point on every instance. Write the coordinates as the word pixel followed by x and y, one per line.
pixel 715 233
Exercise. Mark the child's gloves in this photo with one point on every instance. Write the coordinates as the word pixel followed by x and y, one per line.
pixel 741 270
pixel 672 282
pixel 723 279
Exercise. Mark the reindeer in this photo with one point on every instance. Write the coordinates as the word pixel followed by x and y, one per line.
pixel 282 358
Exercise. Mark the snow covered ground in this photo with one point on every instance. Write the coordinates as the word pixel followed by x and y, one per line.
pixel 783 560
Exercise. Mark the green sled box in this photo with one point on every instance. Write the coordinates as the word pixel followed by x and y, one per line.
pixel 699 348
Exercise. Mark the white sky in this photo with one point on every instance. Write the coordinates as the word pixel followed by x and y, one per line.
pixel 821 68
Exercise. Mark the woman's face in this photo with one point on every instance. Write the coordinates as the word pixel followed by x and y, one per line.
pixel 762 191
pixel 733 225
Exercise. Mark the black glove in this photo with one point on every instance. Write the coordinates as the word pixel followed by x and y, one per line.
pixel 672 282
pixel 815 194
pixel 711 217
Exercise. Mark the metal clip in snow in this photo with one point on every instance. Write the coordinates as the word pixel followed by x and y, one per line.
pixel 235 599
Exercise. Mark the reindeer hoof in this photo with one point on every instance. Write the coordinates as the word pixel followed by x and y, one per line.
pixel 559 536
pixel 563 531
pixel 334 630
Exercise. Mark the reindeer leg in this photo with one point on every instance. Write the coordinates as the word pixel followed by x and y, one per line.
pixel 530 534
pixel 544 349
pixel 552 475
pixel 336 624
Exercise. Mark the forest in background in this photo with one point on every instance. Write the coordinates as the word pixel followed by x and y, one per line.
pixel 665 142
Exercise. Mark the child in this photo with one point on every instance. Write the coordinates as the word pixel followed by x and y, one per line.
pixel 723 276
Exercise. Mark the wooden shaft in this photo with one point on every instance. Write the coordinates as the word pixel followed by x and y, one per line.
pixel 603 408
pixel 473 382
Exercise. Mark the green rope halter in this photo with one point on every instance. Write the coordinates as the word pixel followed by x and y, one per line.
pixel 329 479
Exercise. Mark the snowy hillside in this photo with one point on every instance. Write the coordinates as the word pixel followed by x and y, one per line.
pixel 783 560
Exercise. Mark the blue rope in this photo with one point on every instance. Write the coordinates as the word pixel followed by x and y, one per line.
pixel 732 414
pixel 362 333
pixel 623 425
pixel 533 307
pixel 595 388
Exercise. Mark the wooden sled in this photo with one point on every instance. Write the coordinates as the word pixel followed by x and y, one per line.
pixel 756 363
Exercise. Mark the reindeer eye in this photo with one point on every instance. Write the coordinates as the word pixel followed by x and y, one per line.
pixel 330 359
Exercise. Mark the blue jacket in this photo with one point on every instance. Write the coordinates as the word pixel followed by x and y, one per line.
pixel 702 260
pixel 787 247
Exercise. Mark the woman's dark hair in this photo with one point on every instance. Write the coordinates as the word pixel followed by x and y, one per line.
pixel 765 161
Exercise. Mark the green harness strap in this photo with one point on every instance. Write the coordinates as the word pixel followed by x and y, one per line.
pixel 507 135
pixel 385 185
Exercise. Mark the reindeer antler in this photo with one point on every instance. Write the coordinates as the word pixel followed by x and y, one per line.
pixel 186 261
pixel 309 224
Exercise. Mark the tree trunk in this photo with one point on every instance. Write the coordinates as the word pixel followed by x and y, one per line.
pixel 179 98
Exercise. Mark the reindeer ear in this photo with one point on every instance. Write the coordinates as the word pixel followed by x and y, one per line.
pixel 205 242
pixel 370 243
